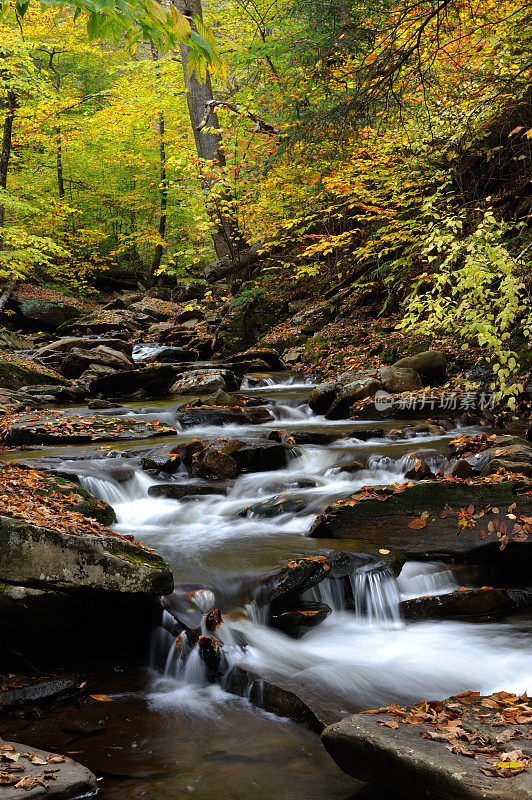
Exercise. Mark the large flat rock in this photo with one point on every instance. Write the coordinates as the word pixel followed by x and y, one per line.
pixel 422 519
pixel 390 749
pixel 59 427
pixel 53 777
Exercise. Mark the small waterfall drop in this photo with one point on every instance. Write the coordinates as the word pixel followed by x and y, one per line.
pixel 376 597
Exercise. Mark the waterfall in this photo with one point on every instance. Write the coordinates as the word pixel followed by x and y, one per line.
pixel 112 491
pixel 421 578
pixel 376 597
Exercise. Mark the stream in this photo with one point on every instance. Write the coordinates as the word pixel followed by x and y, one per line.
pixel 169 733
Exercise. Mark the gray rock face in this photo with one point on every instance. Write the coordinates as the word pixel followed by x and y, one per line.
pixel 62 346
pixel 44 558
pixel 208 382
pixel 399 379
pixel 65 780
pixel 334 398
pixel 45 312
pixel 431 365
pixel 78 360
pixel 515 457
pixel 401 760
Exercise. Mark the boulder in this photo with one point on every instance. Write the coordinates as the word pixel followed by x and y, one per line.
pixel 57 349
pixel 399 379
pixel 208 382
pixel 47 312
pixel 78 360
pixel 471 604
pixel 153 379
pixel 213 463
pixel 334 398
pixel 41 774
pixel 461 469
pixel 57 427
pixel 420 471
pixel 515 457
pixel 267 355
pixel 17 371
pixel 431 365
pixel 261 457
pixel 41 557
pixel 275 507
pixel 420 761
pixel 176 355
pixel 213 416
pixel 107 321
pixel 295 620
pixel 178 491
pixel 164 462
pixel 288 583
pixel 421 519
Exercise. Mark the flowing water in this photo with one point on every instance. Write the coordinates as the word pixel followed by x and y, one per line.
pixel 191 736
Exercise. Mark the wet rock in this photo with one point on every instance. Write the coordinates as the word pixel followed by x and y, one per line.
pixel 258 416
pixel 295 621
pixel 334 398
pixel 213 463
pixel 208 382
pixel 431 366
pixel 64 779
pixel 471 604
pixel 152 380
pixel 210 651
pixel 45 558
pixel 420 471
pixel 55 427
pixel 38 690
pixel 54 352
pixel 418 520
pixel 275 507
pixel 17 371
pixel 399 379
pixel 102 405
pixel 288 583
pixel 270 356
pixel 313 437
pixel 352 466
pixel 261 457
pixel 364 434
pixel 422 767
pixel 177 491
pixel 78 360
pixel 47 313
pixel 176 355
pixel 515 457
pixel 461 469
pixel 165 462
pixel 213 416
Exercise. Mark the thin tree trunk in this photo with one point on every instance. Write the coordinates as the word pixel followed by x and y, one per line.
pixel 7 138
pixel 59 161
pixel 227 238
pixel 163 190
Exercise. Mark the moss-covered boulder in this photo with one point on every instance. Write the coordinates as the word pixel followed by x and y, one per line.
pixel 17 371
pixel 45 307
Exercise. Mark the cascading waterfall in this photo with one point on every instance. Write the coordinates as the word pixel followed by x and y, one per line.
pixel 376 597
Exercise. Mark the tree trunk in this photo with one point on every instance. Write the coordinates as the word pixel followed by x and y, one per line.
pixel 227 238
pixel 163 190
pixel 7 137
pixel 59 162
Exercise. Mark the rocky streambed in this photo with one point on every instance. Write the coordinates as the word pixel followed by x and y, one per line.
pixel 325 562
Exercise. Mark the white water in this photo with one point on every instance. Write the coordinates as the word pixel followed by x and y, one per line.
pixel 363 653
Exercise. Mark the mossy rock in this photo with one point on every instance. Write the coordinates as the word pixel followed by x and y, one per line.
pixel 16 371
